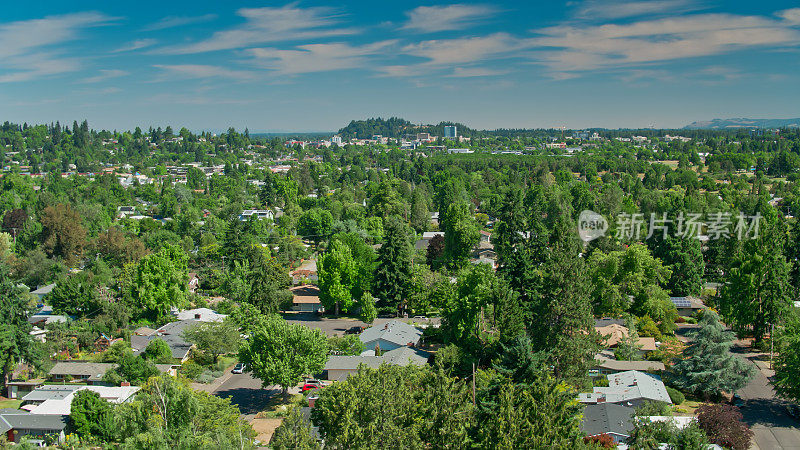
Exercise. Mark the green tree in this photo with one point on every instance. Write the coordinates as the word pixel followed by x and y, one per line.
pixel 294 433
pixel 787 363
pixel 368 311
pixel 214 338
pixel 461 234
pixel 315 224
pixel 92 417
pixel 75 295
pixel 157 283
pixel 393 275
pixel 158 352
pixel 349 344
pixel 281 353
pixel 708 368
pixel 337 277
pixel 133 369
pixel 269 282
pixel 63 234
pixel 16 343
pixel 628 348
pixel 756 294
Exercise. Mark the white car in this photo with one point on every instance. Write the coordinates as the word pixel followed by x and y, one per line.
pixel 238 368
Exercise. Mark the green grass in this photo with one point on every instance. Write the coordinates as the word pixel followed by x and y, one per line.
pixel 10 403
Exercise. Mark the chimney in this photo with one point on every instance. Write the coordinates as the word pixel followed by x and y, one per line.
pixel 125 384
pixel 197 316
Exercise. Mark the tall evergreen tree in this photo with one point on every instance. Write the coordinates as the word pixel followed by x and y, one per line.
pixel 708 368
pixel 393 275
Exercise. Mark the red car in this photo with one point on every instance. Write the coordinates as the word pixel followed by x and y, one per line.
pixel 311 384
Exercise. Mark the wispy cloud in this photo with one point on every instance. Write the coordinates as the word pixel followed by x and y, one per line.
pixel 317 57
pixel 105 74
pixel 136 45
pixel 572 49
pixel 179 21
pixel 464 50
pixel 269 24
pixel 200 71
pixel 469 72
pixel 447 17
pixel 792 16
pixel 29 49
pixel 616 9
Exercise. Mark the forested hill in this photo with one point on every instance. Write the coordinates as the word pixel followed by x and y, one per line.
pixel 397 128
pixel 720 124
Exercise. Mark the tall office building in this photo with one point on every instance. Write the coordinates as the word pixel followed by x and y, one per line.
pixel 450 132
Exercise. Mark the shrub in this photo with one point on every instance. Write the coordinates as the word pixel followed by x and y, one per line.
pixel 191 370
pixel 603 440
pixel 216 373
pixel 724 426
pixel 205 377
pixel 676 396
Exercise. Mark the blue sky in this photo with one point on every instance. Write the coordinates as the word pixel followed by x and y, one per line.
pixel 275 66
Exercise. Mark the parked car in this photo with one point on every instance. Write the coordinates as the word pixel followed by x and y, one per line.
pixel 238 368
pixel 310 386
pixel 354 330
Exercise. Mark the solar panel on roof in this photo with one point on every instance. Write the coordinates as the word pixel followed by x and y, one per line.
pixel 682 303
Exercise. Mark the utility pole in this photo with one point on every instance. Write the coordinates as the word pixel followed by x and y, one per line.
pixel 473 384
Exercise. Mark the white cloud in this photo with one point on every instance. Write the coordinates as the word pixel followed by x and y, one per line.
pixel 270 25
pixel 568 48
pixel 469 72
pixel 179 21
pixel 198 71
pixel 790 15
pixel 446 17
pixel 136 45
pixel 29 48
pixel 317 57
pixel 105 74
pixel 464 50
pixel 615 9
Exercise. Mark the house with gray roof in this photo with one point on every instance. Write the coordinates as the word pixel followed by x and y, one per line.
pixel 338 368
pixel 391 335
pixel 45 316
pixel 44 290
pixel 17 424
pixel 605 366
pixel 172 334
pixel 79 371
pixel 608 418
pixel 631 388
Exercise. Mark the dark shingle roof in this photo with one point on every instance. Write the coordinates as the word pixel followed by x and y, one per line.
pixel 607 418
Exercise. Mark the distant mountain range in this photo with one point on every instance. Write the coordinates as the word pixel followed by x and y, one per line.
pixel 721 124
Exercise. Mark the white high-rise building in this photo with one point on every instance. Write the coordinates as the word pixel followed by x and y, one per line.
pixel 450 132
pixel 336 140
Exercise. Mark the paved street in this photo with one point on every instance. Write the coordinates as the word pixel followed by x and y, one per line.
pixel 766 414
pixel 246 393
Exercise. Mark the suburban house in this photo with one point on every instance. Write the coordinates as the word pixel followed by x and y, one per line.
pixel 306 271
pixel 687 306
pixel 43 291
pixel 172 334
pixel 608 418
pixel 125 211
pixel 631 388
pixel 104 342
pixel 306 299
pixel 614 333
pixel 16 424
pixel 79 371
pixel 257 213
pixel 605 366
pixel 45 316
pixel 57 400
pixel 18 389
pixel 194 282
pixel 391 335
pixel 338 368
pixel 422 244
pixel 199 314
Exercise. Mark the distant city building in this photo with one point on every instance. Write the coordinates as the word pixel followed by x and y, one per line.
pixel 450 132
pixel 336 140
pixel 459 150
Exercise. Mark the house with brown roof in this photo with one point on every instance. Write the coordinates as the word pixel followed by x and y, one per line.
pixel 306 299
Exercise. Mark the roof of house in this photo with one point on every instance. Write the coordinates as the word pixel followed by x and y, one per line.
pixel 430 234
pixel 25 421
pixel 305 293
pixel 622 366
pixel 627 386
pixel 607 418
pixel 180 348
pixel 402 356
pixel 393 331
pixel 50 392
pixel 606 321
pixel 94 370
pixel 615 333
pixel 63 405
pixel 687 302
pixel 44 290
pixel 144 331
pixel 199 314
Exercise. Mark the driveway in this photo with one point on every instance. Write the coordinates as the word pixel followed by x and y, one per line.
pixel 246 393
pixel 773 428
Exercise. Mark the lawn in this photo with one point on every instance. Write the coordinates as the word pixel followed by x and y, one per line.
pixel 10 403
